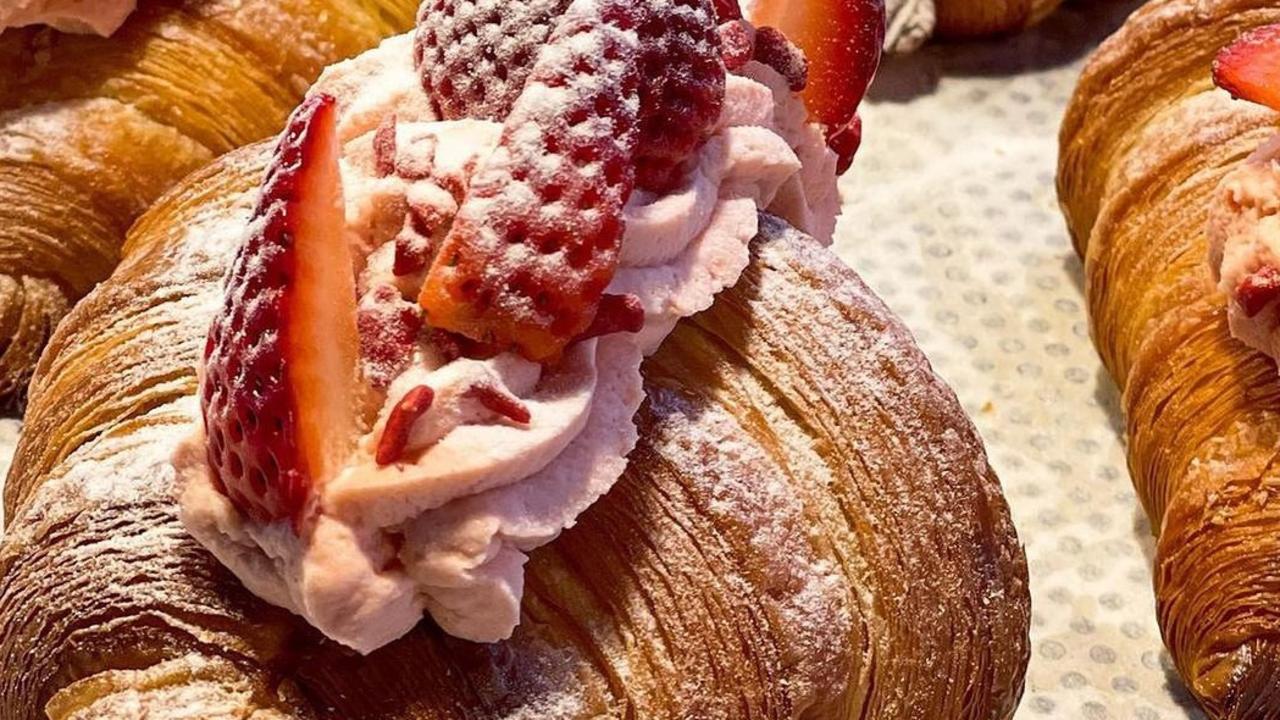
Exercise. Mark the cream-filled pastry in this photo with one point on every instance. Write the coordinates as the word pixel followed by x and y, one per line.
pixel 429 357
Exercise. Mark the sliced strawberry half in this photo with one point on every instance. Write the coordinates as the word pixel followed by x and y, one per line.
pixel 1249 68
pixel 842 40
pixel 281 357
pixel 727 10
pixel 536 240
pixel 474 56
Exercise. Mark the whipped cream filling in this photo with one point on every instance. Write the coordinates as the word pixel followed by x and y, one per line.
pixel 102 17
pixel 447 529
pixel 1244 240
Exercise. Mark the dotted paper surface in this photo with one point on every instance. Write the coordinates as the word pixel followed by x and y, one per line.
pixel 951 215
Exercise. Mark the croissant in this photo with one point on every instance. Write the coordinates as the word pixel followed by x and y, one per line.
pixel 93 129
pixel 978 18
pixel 1145 145
pixel 808 527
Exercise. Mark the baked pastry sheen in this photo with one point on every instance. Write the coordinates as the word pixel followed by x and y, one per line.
pixel 93 129
pixel 808 528
pixel 1145 144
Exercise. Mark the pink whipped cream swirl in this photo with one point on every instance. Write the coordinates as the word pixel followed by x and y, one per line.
pixel 446 529
pixel 1244 248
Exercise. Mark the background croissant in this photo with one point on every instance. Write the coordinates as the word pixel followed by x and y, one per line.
pixel 808 528
pixel 93 129
pixel 977 18
pixel 1145 144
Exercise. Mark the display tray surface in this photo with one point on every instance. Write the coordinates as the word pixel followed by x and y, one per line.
pixel 952 217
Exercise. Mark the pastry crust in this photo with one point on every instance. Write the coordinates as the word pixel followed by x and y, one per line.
pixel 1146 142
pixel 93 129
pixel 808 528
pixel 978 18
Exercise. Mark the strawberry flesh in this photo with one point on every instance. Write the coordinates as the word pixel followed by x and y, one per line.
pixel 389 327
pixel 280 359
pixel 536 240
pixel 842 40
pixel 1249 68
pixel 617 313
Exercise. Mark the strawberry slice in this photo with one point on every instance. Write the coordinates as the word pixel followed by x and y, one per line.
pixel 842 40
pixel 535 242
pixel 1249 68
pixel 727 10
pixel 281 357
pixel 474 59
pixel 474 56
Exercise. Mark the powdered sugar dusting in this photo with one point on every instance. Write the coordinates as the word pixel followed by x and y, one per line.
pixel 765 511
pixel 463 530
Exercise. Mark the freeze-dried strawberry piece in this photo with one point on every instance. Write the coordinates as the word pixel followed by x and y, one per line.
pixel 535 242
pixel 384 147
pixel 845 143
pixel 737 44
pixel 1258 289
pixel 775 50
pixel 453 346
pixel 842 40
pixel 280 362
pixel 474 56
pixel 395 434
pixel 389 327
pixel 497 400
pixel 415 243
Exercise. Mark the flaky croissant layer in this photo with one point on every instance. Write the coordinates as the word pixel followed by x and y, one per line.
pixel 1145 145
pixel 92 130
pixel 808 528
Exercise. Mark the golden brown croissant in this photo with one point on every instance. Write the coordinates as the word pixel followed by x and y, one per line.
pixel 808 528
pixel 93 129
pixel 1145 145
pixel 977 18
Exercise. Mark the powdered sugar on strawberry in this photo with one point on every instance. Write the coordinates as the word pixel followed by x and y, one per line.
pixel 484 477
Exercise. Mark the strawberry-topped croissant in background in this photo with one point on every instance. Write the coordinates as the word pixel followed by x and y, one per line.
pixel 428 358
